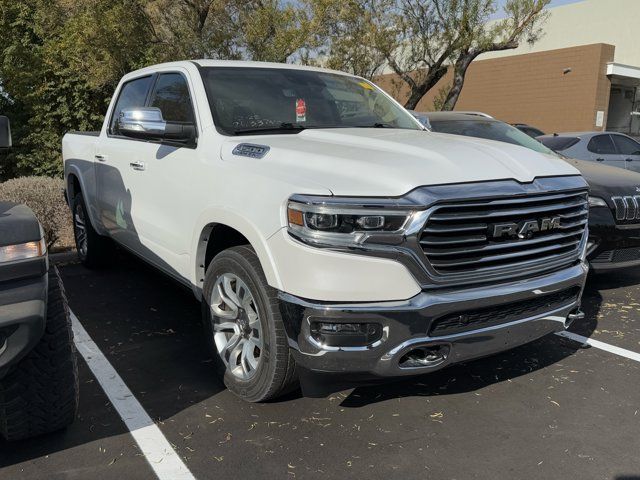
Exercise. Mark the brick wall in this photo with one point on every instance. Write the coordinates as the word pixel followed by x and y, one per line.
pixel 532 88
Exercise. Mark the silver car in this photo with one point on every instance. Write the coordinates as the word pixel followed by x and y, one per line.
pixel 609 148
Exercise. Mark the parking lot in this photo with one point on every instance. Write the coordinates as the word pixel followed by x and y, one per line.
pixel 554 408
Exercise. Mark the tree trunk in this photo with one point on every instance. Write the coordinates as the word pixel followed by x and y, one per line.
pixel 459 73
pixel 418 90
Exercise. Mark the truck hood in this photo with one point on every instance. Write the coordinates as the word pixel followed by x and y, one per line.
pixel 391 162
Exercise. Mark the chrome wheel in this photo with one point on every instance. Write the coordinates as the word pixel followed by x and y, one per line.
pixel 80 229
pixel 237 331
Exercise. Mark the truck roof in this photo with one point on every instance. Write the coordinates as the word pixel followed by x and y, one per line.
pixel 232 63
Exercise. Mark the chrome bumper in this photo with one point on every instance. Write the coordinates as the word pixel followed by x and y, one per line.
pixel 406 324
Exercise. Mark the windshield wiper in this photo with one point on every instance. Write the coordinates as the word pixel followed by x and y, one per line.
pixel 283 127
pixel 377 125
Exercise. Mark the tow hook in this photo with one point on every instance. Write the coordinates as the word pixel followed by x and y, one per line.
pixel 572 317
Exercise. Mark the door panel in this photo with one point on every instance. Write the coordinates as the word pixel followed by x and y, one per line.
pixel 160 195
pixel 113 155
pixel 629 149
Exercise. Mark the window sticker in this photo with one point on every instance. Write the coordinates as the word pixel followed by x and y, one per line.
pixel 301 110
pixel 365 85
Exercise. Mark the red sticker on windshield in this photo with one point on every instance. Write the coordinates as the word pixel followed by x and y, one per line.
pixel 301 110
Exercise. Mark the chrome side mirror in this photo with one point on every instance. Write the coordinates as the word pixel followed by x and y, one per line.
pixel 148 123
pixel 144 122
pixel 5 132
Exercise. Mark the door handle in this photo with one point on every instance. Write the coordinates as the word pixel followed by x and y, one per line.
pixel 599 159
pixel 137 165
pixel 628 159
pixel 100 158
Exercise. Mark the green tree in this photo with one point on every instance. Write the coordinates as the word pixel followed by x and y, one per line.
pixel 350 33
pixel 418 40
pixel 476 35
pixel 59 64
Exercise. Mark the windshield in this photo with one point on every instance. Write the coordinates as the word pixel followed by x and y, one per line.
pixel 268 100
pixel 491 130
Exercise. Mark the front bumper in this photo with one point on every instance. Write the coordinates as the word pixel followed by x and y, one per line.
pixel 409 325
pixel 612 246
pixel 23 307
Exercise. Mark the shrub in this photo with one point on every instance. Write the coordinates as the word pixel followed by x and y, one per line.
pixel 44 196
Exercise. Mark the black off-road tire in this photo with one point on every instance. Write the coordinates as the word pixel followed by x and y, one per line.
pixel 99 251
pixel 276 373
pixel 40 393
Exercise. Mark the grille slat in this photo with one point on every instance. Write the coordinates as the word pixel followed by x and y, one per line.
pixel 469 238
pixel 489 213
pixel 500 246
pixel 503 256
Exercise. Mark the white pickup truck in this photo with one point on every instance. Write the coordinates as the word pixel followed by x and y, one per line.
pixel 330 239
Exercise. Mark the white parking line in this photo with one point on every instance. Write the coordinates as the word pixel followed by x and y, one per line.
pixel 601 345
pixel 162 458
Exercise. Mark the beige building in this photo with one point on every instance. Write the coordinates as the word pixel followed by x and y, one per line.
pixel 584 74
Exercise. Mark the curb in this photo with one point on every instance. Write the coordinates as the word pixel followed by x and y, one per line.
pixel 64 257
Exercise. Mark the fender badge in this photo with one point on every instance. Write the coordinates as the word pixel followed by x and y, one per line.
pixel 250 150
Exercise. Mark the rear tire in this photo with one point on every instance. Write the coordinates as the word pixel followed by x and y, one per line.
pixel 40 393
pixel 94 250
pixel 266 369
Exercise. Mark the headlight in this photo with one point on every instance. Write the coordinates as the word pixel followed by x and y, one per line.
pixel 22 251
pixel 345 225
pixel 597 202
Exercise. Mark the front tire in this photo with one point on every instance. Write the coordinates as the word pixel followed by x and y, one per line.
pixel 94 250
pixel 244 328
pixel 40 393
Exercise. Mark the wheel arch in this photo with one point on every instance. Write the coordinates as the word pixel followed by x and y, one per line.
pixel 229 231
pixel 75 182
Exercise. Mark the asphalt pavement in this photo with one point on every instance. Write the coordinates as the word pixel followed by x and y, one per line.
pixel 550 409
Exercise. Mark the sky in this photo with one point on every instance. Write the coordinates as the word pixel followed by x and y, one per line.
pixel 554 3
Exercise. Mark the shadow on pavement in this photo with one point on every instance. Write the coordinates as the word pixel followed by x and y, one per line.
pixel 149 329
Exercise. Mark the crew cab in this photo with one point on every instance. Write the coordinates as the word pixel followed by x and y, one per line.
pixel 329 238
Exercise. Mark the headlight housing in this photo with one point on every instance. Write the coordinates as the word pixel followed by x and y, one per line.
pixel 23 251
pixel 333 224
pixel 597 202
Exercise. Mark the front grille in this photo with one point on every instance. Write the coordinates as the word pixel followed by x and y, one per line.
pixel 491 316
pixel 466 240
pixel 621 255
pixel 627 209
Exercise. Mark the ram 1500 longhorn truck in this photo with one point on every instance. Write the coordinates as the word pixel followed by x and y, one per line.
pixel 329 238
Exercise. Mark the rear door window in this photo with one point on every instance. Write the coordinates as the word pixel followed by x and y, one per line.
pixel 132 94
pixel 601 144
pixel 171 96
pixel 626 146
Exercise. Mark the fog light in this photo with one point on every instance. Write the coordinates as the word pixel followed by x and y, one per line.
pixel 334 334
